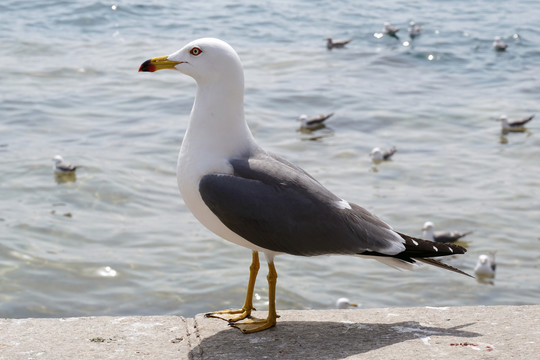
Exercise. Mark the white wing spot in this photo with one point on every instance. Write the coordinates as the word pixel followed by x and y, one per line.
pixel 414 242
pixel 342 204
pixel 451 250
pixel 434 248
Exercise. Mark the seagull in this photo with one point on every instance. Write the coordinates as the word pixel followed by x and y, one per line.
pixel 344 303
pixel 258 200
pixel 62 167
pixel 499 45
pixel 441 236
pixel 485 266
pixel 330 44
pixel 390 30
pixel 313 122
pixel 414 30
pixel 378 155
pixel 515 125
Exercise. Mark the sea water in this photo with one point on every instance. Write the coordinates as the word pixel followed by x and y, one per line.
pixel 117 239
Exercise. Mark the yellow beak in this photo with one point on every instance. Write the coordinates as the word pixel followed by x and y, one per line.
pixel 158 63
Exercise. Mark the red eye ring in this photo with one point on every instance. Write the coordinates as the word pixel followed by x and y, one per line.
pixel 195 51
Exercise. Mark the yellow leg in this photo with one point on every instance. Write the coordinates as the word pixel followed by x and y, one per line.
pixel 252 325
pixel 232 315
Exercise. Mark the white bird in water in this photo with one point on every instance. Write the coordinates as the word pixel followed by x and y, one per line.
pixel 514 125
pixel 312 123
pixel 499 45
pixel 344 303
pixel 62 167
pixel 414 30
pixel 377 154
pixel 390 30
pixel 485 266
pixel 441 236
pixel 330 44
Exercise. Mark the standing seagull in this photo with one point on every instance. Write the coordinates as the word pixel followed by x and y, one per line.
pixel 259 200
pixel 330 44
pixel 62 167
pixel 515 125
pixel 313 122
pixel 377 154
pixel 441 236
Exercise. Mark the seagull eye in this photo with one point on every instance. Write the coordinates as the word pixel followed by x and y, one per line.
pixel 195 51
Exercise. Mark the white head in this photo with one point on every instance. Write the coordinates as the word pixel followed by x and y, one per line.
pixel 503 119
pixel 344 303
pixel 206 60
pixel 302 118
pixel 57 159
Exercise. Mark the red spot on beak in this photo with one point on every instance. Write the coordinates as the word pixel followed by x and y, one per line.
pixel 147 66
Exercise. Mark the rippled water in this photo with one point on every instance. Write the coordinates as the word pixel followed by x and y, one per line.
pixel 117 239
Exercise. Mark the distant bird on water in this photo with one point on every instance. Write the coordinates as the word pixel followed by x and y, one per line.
pixel 330 44
pixel 312 123
pixel 441 236
pixel 499 45
pixel 414 30
pixel 390 30
pixel 62 167
pixel 378 155
pixel 344 303
pixel 514 125
pixel 485 266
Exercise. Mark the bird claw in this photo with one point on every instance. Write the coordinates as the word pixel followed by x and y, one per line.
pixel 252 324
pixel 230 315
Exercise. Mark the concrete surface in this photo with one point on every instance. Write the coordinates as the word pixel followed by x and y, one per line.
pixel 479 332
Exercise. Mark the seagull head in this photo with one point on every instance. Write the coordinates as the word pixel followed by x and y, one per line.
pixel 345 303
pixel 206 60
pixel 428 226
pixel 302 118
pixel 503 119
pixel 483 259
pixel 57 159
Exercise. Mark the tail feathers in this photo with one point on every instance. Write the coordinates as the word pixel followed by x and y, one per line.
pixel 419 248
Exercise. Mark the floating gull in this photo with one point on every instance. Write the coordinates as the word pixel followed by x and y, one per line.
pixel 441 236
pixel 414 30
pixel 485 266
pixel 314 122
pixel 62 167
pixel 499 45
pixel 258 200
pixel 330 44
pixel 377 154
pixel 344 303
pixel 390 30
pixel 514 125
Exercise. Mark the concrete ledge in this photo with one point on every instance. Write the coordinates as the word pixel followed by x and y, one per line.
pixel 479 332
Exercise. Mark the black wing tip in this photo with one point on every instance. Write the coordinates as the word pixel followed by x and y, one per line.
pixel 443 266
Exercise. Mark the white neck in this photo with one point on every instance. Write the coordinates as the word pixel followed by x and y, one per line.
pixel 217 126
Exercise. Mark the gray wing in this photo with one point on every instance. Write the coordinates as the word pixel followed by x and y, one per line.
pixel 278 206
